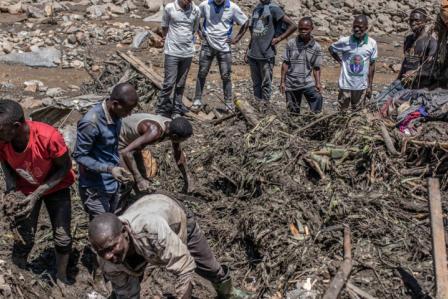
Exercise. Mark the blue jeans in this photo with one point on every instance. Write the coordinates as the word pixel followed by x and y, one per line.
pixel 294 99
pixel 206 58
pixel 261 73
pixel 97 201
pixel 176 73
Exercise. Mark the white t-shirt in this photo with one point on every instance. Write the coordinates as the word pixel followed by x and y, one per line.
pixel 182 25
pixel 218 22
pixel 356 58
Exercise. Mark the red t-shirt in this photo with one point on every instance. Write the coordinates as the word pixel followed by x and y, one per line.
pixel 33 165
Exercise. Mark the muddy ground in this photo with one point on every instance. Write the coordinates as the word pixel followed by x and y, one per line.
pixel 255 192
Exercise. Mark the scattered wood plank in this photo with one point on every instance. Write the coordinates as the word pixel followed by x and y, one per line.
pixel 341 277
pixel 157 80
pixel 438 239
pixel 313 123
pixel 248 112
pixel 388 140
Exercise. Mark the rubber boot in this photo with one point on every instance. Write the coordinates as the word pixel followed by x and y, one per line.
pixel 225 289
pixel 61 267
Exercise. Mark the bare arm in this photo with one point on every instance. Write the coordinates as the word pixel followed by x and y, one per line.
pixel 241 33
pixel 285 68
pixel 181 163
pixel 151 134
pixel 316 74
pixel 371 73
pixel 164 32
pixel 291 29
pixel 335 55
pixel 61 166
pixel 10 177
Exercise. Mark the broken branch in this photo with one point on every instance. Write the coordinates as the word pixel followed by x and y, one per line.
pixel 341 277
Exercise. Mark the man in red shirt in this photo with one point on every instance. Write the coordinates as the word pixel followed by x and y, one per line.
pixel 36 162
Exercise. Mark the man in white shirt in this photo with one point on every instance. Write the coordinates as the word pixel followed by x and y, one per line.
pixel 357 55
pixel 219 18
pixel 179 24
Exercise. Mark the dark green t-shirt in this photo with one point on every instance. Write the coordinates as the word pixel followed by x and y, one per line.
pixel 264 19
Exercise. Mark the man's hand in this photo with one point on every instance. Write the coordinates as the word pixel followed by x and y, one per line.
pixel 282 87
pixel 121 174
pixel 246 57
pixel 369 92
pixel 29 203
pixel 276 41
pixel 143 185
pixel 409 74
pixel 319 88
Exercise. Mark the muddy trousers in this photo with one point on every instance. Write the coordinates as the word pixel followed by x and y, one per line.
pixel 261 72
pixel 97 201
pixel 59 209
pixel 294 99
pixel 176 73
pixel 351 98
pixel 206 264
pixel 206 58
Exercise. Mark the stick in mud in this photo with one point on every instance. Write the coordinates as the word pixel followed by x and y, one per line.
pixel 341 277
pixel 438 239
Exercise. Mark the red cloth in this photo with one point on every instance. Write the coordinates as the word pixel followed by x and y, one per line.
pixel 34 164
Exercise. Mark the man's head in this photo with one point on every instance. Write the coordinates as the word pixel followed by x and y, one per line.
pixel 12 119
pixel 219 2
pixel 360 26
pixel 417 20
pixel 109 238
pixel 265 1
pixel 305 28
pixel 180 129
pixel 123 100
pixel 185 3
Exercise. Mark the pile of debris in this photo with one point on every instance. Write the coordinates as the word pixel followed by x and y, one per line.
pixel 274 193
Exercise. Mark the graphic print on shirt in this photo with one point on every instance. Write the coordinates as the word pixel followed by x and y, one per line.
pixel 356 66
pixel 28 176
pixel 261 25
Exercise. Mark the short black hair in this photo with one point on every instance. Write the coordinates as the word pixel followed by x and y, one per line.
pixel 420 11
pixel 362 18
pixel 104 226
pixel 11 112
pixel 181 127
pixel 122 92
pixel 307 19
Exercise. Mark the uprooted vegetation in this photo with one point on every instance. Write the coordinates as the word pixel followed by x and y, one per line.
pixel 273 196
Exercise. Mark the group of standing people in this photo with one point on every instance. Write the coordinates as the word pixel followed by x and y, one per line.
pixel 213 22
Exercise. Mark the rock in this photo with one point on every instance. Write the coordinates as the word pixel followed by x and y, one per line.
pixel 44 57
pixel 395 67
pixel 139 39
pixel 77 64
pixel 95 68
pixel 7 47
pixel 96 11
pixel 33 85
pixel 80 37
pixel 154 5
pixel 116 9
pixel 7 86
pixel 54 92
pixel 34 12
pixel 14 9
pixel 349 3
pixel 49 10
pixel 30 103
pixel 71 39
